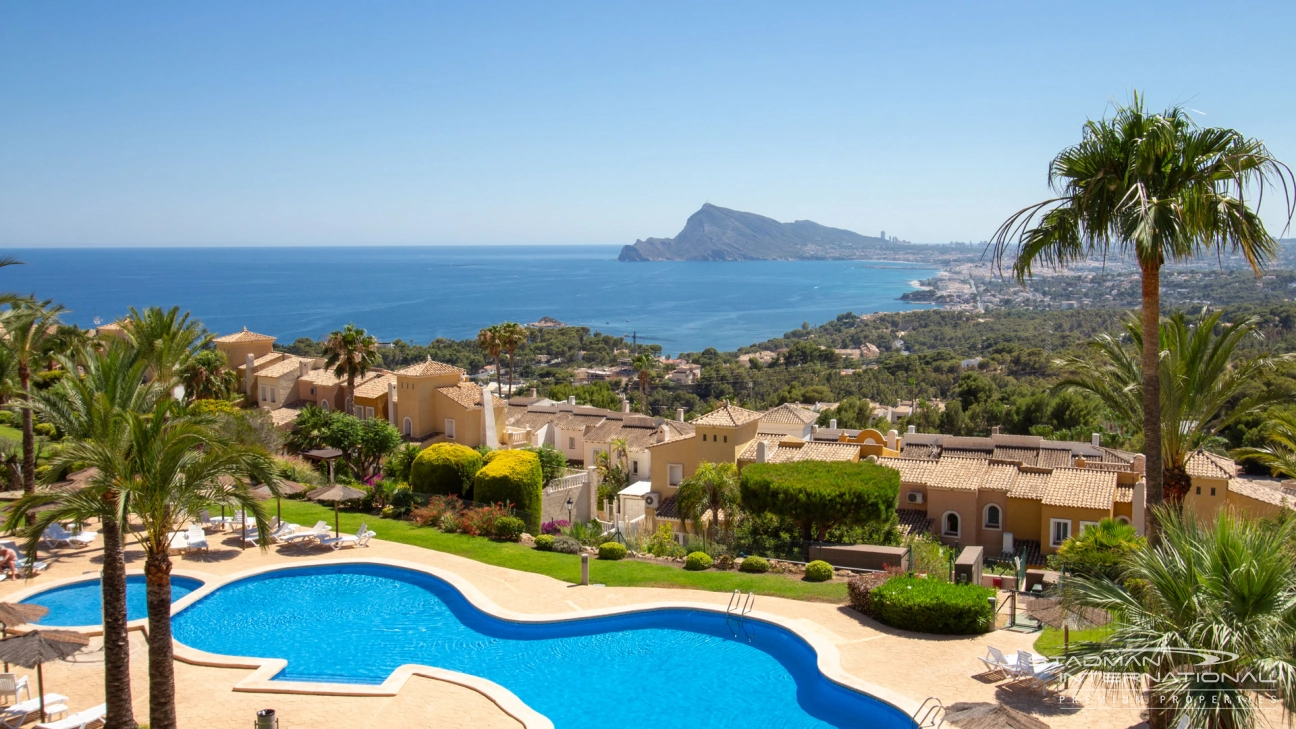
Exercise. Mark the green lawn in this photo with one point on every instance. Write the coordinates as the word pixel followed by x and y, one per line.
pixel 1050 641
pixel 566 567
pixel 10 432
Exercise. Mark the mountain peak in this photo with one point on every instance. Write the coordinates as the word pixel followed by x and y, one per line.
pixel 714 233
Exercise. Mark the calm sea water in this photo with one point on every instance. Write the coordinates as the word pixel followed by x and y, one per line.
pixel 418 294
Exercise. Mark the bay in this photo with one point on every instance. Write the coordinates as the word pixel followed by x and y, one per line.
pixel 421 293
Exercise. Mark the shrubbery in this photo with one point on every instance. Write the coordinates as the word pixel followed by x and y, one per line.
pixel 554 526
pixel 513 477
pixel 698 561
pixel 820 495
pixel 509 528
pixel 662 543
pixel 401 499
pixel 818 571
pixel 861 588
pixel 566 545
pixel 545 542
pixel 480 521
pixel 933 606
pixel 445 469
pixel 755 565
pixel 612 551
pixel 437 506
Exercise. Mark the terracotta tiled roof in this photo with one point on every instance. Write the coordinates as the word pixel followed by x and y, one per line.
pixel 375 386
pixel 673 430
pixel 1081 488
pixel 965 453
pixel 958 474
pixel 1024 456
pixel 913 521
pixel 730 416
pixel 1029 485
pixel 789 414
pixel 841 452
pixel 999 477
pixel 639 432
pixel 1260 492
pixel 243 336
pixel 262 360
pixel 1055 458
pixel 429 368
pixel 574 421
pixel 522 417
pixel 464 393
pixel 1111 455
pixel 1124 493
pixel 284 415
pixel 912 470
pixel 771 441
pixel 780 437
pixel 1208 465
pixel 667 510
pixel 322 377
pixel 920 450
pixel 287 366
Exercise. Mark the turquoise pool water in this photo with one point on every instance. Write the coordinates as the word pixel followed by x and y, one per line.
pixel 357 623
pixel 81 603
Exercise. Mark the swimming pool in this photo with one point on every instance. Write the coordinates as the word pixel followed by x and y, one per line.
pixel 80 604
pixel 356 623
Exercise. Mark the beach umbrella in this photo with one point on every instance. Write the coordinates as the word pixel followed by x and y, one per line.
pixel 35 648
pixel 18 613
pixel 1050 611
pixel 989 716
pixel 336 493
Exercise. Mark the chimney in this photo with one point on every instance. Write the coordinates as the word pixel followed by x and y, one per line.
pixel 994 430
pixel 249 377
pixel 679 414
pixel 891 437
pixel 1080 462
pixel 625 405
pixel 391 402
pixel 762 451
pixel 533 392
pixel 1096 440
pixel 303 367
pixel 911 430
pixel 814 430
pixel 1140 463
pixel 832 424
pixel 571 399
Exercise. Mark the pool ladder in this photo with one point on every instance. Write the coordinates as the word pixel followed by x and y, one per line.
pixel 930 714
pixel 743 604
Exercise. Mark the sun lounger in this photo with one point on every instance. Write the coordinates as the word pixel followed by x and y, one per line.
pixel 276 535
pixel 197 538
pixel 359 539
pixel 1044 674
pixel 12 683
pixel 79 720
pixel 16 715
pixel 55 535
pixel 996 662
pixel 319 531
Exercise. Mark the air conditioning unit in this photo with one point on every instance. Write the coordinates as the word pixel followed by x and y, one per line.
pixel 652 499
pixel 915 497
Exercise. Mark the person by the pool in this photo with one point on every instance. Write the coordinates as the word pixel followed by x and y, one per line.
pixel 9 562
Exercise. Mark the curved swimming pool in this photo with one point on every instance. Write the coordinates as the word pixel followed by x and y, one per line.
pixel 80 604
pixel 356 623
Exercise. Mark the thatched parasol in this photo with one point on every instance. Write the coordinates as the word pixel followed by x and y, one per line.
pixel 18 613
pixel 989 716
pixel 1051 612
pixel 336 493
pixel 35 648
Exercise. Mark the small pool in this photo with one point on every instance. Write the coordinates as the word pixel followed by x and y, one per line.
pixel 81 603
pixel 357 623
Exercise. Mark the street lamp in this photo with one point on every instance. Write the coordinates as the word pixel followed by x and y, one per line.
pixel 571 504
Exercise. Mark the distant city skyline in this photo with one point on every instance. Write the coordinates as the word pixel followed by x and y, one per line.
pixel 409 123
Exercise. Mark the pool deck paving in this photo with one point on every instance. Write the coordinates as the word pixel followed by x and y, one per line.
pixel 910 664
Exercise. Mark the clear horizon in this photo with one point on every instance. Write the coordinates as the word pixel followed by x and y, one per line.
pixel 328 124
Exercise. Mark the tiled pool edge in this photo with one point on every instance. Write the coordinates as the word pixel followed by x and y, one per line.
pixel 828 658
pixel 206 578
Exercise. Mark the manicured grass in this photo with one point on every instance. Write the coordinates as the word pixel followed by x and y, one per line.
pixel 566 567
pixel 1050 641
pixel 11 433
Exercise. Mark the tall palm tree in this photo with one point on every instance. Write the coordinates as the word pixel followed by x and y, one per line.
pixel 1226 589
pixel 713 488
pixel 1201 384
pixel 208 376
pixel 8 375
pixel 1279 453
pixel 31 334
pixel 166 339
pixel 490 341
pixel 351 352
pixel 643 366
pixel 511 336
pixel 1158 188
pixel 179 466
pixel 87 409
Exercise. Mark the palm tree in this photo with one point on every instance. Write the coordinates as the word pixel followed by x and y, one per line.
pixel 1201 384
pixel 207 376
pixel 1226 590
pixel 490 341
pixel 87 409
pixel 1280 452
pixel 643 366
pixel 351 353
pixel 713 489
pixel 1159 188
pixel 31 334
pixel 166 340
pixel 511 336
pixel 8 375
pixel 178 467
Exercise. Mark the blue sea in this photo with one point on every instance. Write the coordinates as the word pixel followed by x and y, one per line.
pixel 419 294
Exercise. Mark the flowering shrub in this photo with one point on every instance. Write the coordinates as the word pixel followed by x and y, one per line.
pixel 437 507
pixel 480 521
pixel 554 526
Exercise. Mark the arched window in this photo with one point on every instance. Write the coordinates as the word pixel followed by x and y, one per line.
pixel 324 404
pixel 407 428
pixel 993 517
pixel 950 524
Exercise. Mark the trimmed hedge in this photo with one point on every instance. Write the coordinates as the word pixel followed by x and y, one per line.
pixel 612 550
pixel 926 605
pixel 512 477
pixel 566 545
pixel 698 561
pixel 860 588
pixel 509 528
pixel 445 469
pixel 819 571
pixel 755 565
pixel 544 542
pixel 819 495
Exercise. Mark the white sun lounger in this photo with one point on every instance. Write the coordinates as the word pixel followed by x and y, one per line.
pixel 197 538
pixel 359 539
pixel 319 531
pixel 276 534
pixel 79 720
pixel 1044 674
pixel 996 662
pixel 16 715
pixel 55 535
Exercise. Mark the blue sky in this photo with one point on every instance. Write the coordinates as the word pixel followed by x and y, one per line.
pixel 282 123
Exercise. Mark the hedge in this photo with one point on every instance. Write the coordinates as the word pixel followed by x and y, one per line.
pixel 612 551
pixel 818 571
pixel 512 477
pixel 927 605
pixel 819 495
pixel 698 561
pixel 509 528
pixel 445 469
pixel 755 564
pixel 544 542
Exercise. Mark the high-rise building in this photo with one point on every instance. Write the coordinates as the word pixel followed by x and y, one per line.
pixel 883 236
